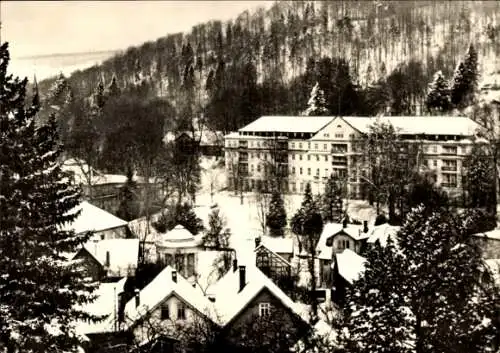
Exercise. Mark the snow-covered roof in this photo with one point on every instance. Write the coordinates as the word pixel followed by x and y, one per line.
pixel 162 287
pixel 233 135
pixel 323 251
pixel 493 265
pixel 382 233
pixel 350 265
pixel 355 231
pixel 278 245
pixel 123 255
pixel 415 125
pixel 140 228
pixel 93 218
pixel 230 301
pixel 106 304
pixel 305 124
pixel 492 234
pixel 179 237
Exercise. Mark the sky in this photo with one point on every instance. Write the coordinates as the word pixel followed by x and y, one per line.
pixel 35 28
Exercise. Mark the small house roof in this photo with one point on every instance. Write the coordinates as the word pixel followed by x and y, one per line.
pixel 123 254
pixel 382 233
pixel 178 237
pixel 93 219
pixel 227 290
pixel 278 245
pixel 492 234
pixel 350 265
pixel 162 287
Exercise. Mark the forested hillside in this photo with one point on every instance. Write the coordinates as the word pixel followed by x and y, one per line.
pixel 367 56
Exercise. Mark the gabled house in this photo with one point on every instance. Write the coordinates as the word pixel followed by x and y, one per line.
pixel 111 258
pixel 166 302
pixel 101 223
pixel 273 264
pixel 246 295
pixel 335 238
pixel 279 245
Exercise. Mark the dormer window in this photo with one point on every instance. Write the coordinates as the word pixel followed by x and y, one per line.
pixel 264 309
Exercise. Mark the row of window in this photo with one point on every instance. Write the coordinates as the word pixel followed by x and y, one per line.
pixel 167 315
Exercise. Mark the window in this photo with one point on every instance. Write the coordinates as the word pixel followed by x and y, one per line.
pixel 308 145
pixel 181 312
pixel 325 146
pixel 165 312
pixel 308 171
pixel 326 135
pixel 293 156
pixel 258 168
pixel 251 167
pixel 308 157
pixel 315 146
pixel 343 244
pixel 251 143
pixel 300 157
pixel 339 136
pixel 317 172
pixel 435 163
pixel 264 309
pixel 293 144
pixel 434 149
pixel 300 144
pixel 326 172
pixel 258 144
pixel 258 155
pixel 300 171
pixel 293 170
pixel 317 157
pixel 326 158
pixel 190 265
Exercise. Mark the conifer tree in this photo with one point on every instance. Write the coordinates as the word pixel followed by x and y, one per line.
pixel 331 201
pixel 465 80
pixel 276 216
pixel 308 225
pixel 438 96
pixel 217 235
pixel 39 289
pixel 413 292
pixel 129 207
pixel 480 179
pixel 181 213
pixel 113 89
pixel 316 106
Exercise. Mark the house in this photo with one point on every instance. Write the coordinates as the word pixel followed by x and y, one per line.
pixel 346 268
pixel 274 265
pixel 166 302
pixel 245 296
pixel 334 239
pixel 382 233
pixel 111 258
pixel 179 248
pixel 102 189
pixel 490 243
pixel 209 143
pixel 101 223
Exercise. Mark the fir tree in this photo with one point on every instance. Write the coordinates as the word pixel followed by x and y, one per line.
pixel 39 289
pixel 308 225
pixel 129 207
pixel 182 214
pixel 316 105
pixel 276 216
pixel 412 293
pixel 113 89
pixel 465 80
pixel 480 179
pixel 438 96
pixel 331 201
pixel 217 235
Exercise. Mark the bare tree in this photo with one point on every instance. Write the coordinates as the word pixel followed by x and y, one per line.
pixel 262 201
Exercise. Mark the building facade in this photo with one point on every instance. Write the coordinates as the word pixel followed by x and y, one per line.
pixel 291 151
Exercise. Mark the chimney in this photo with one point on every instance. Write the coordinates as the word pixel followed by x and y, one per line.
pixel 365 226
pixel 344 222
pixel 235 265
pixel 257 241
pixel 174 276
pixel 107 259
pixel 242 277
pixel 137 298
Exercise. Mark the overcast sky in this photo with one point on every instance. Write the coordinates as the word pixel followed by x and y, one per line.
pixel 46 27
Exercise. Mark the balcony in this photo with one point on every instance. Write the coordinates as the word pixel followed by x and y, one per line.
pixel 339 161
pixel 449 168
pixel 449 151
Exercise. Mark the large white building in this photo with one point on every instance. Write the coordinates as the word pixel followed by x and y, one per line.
pixel 301 149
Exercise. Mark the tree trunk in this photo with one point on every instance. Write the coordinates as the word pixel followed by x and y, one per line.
pixel 392 207
pixel 419 344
